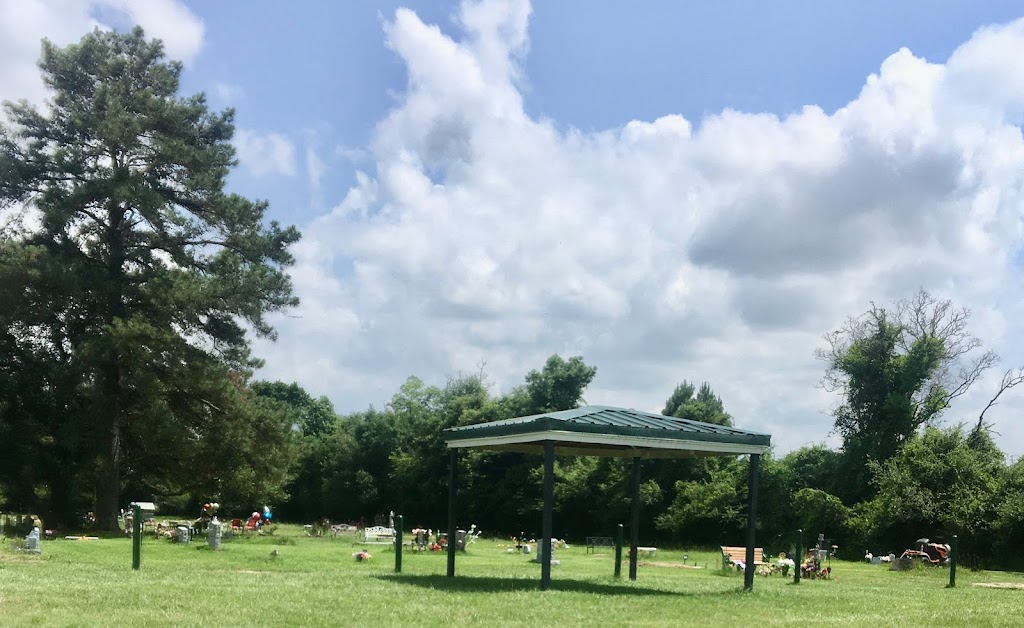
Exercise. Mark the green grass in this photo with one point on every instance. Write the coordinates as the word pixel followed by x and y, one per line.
pixel 316 582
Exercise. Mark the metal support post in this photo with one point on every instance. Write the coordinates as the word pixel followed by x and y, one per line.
pixel 549 505
pixel 634 533
pixel 618 550
pixel 136 536
pixel 799 555
pixel 952 561
pixel 398 544
pixel 748 574
pixel 453 461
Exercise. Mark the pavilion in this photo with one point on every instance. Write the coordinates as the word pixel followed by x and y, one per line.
pixel 609 432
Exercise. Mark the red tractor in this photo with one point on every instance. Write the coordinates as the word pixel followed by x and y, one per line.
pixel 928 552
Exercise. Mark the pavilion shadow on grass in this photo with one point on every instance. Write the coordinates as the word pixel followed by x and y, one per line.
pixel 609 432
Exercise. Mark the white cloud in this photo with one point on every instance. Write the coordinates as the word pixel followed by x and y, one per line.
pixel 168 20
pixel 662 250
pixel 354 155
pixel 24 23
pixel 227 93
pixel 315 168
pixel 719 249
pixel 265 154
pixel 22 27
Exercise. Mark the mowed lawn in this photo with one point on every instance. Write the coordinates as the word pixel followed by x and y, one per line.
pixel 317 582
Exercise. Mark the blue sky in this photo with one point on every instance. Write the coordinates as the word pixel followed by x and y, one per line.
pixel 672 190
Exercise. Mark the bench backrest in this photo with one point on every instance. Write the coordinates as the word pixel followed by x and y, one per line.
pixel 378 533
pixel 736 554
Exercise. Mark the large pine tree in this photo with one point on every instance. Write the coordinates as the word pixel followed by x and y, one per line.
pixel 131 282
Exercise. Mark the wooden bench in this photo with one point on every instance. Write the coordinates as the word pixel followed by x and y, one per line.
pixel 731 555
pixel 593 542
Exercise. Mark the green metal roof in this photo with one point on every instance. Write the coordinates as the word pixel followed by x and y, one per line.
pixel 607 431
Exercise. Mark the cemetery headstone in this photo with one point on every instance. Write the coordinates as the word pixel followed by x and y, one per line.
pixel 213 533
pixel 540 552
pixel 32 542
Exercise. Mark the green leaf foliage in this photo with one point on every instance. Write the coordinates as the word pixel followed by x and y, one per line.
pixel 139 276
pixel 940 484
pixel 818 512
pixel 558 386
pixel 710 510
pixel 705 406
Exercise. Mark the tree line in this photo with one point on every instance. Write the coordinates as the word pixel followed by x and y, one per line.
pixel 132 283
pixel 899 474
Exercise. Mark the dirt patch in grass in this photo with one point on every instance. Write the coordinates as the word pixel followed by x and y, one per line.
pixel 19 557
pixel 654 563
pixel 1000 585
pixel 250 571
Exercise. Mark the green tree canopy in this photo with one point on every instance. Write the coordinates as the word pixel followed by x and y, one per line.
pixel 710 509
pixel 816 467
pixel 941 483
pixel 818 512
pixel 705 406
pixel 897 370
pixel 138 271
pixel 313 416
pixel 1008 527
pixel 558 386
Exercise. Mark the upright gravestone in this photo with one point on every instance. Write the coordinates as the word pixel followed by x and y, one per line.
pixel 183 534
pixel 32 542
pixel 540 553
pixel 213 533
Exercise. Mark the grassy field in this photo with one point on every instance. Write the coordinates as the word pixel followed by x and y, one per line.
pixel 317 582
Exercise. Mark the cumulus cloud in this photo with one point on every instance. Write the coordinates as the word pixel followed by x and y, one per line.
pixel 23 25
pixel 265 153
pixel 168 20
pixel 315 168
pixel 227 93
pixel 716 250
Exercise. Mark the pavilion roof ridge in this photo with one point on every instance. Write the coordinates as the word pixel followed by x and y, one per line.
pixel 609 431
pixel 614 418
